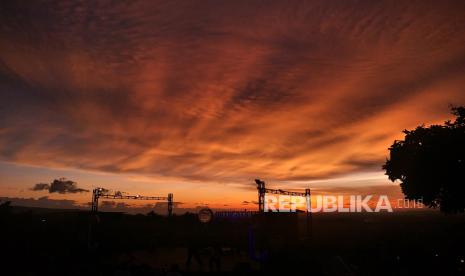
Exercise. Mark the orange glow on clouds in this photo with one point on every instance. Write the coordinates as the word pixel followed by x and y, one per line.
pixel 219 93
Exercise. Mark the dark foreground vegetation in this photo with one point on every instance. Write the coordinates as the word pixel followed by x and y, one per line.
pixel 429 163
pixel 48 242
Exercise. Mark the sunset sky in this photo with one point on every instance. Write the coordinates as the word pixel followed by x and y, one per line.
pixel 199 98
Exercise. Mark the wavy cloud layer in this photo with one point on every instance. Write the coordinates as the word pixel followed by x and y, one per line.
pixel 224 90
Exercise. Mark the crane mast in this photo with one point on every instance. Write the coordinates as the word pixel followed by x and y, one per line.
pixel 262 190
pixel 104 193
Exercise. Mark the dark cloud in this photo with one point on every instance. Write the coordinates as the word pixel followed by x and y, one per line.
pixel 107 203
pixel 158 207
pixel 121 205
pixel 43 202
pixel 223 91
pixel 164 205
pixel 41 186
pixel 61 186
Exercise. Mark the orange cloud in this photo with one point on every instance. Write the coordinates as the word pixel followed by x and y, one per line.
pixel 224 91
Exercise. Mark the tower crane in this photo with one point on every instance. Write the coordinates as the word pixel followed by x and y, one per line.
pixel 262 190
pixel 104 193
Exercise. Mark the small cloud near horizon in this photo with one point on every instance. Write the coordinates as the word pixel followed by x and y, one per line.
pixel 61 186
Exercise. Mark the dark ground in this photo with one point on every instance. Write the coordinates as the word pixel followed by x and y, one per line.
pixel 53 242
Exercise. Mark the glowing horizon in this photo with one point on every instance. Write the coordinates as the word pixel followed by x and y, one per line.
pixel 201 98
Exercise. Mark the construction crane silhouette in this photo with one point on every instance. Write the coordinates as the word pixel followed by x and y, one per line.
pixel 262 190
pixel 104 193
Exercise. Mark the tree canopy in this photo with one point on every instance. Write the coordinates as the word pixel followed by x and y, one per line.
pixel 430 164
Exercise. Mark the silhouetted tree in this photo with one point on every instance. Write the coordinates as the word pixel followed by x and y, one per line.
pixel 430 163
